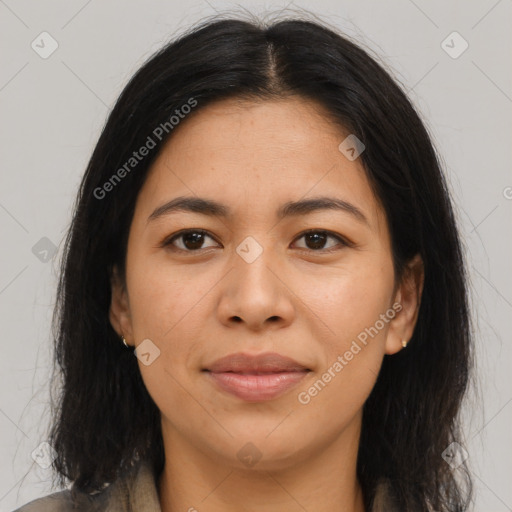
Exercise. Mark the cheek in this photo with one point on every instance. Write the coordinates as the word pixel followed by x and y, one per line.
pixel 349 300
pixel 355 306
pixel 166 308
pixel 362 302
pixel 353 350
pixel 165 299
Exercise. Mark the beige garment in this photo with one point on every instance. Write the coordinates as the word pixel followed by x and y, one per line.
pixel 136 491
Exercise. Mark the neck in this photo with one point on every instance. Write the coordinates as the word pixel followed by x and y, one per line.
pixel 325 480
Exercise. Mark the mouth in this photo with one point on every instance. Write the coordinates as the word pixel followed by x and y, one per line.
pixel 255 378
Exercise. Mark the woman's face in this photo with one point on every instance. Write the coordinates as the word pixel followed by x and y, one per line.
pixel 254 284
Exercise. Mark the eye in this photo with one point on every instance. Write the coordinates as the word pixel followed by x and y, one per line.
pixel 192 239
pixel 316 239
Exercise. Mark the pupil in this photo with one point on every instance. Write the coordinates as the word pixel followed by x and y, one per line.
pixel 195 238
pixel 319 238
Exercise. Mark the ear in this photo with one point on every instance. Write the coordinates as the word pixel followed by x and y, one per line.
pixel 119 313
pixel 408 296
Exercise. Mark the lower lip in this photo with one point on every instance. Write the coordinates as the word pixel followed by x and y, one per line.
pixel 257 388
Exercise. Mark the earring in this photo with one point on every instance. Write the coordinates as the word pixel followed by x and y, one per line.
pixel 124 341
pixel 404 343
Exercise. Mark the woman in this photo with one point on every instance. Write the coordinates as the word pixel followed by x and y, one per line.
pixel 264 223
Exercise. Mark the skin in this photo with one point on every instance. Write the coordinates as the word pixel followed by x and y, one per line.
pixel 295 299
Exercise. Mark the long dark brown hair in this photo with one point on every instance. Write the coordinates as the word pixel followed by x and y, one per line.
pixel 103 416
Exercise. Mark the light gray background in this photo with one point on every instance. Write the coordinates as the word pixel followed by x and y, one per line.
pixel 52 111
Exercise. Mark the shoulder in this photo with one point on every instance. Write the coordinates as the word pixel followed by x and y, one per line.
pixel 62 501
pixel 134 490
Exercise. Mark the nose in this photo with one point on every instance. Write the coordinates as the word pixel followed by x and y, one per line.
pixel 255 293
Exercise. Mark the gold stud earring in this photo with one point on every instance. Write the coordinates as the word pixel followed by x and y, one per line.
pixel 404 343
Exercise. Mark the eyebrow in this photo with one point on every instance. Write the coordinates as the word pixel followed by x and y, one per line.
pixel 291 208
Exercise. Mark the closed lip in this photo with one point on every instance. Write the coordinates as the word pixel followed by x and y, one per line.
pixel 256 378
pixel 269 362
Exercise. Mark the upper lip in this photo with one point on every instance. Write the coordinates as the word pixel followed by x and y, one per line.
pixel 269 362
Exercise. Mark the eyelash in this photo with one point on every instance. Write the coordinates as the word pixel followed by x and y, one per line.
pixel 344 243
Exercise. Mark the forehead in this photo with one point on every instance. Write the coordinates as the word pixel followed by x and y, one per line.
pixel 257 155
pixel 256 127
